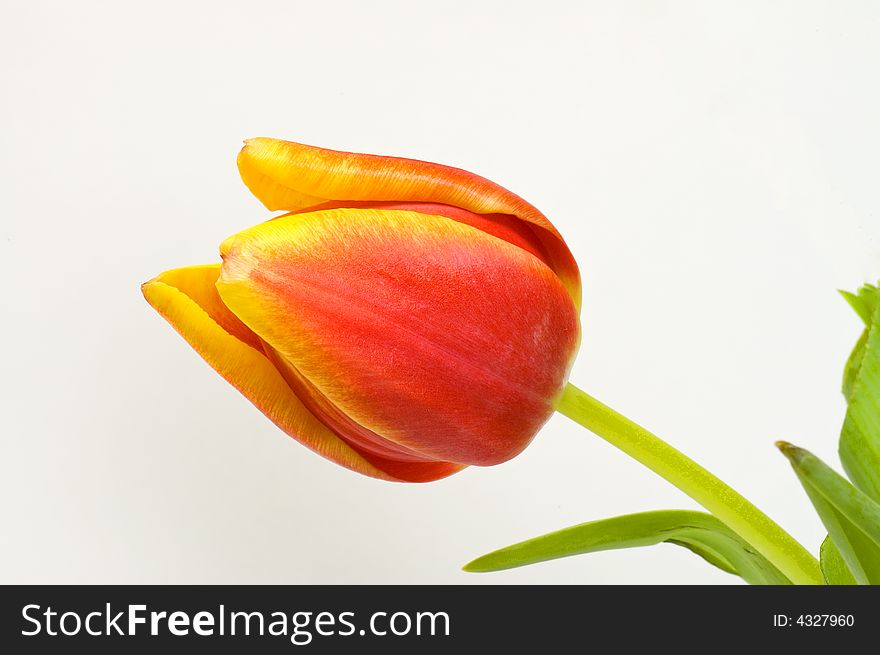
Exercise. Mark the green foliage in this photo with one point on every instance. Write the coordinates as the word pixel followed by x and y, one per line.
pixel 699 532
pixel 851 517
pixel 834 569
pixel 851 552
pixel 860 438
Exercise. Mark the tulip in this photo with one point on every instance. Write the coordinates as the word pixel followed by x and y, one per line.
pixel 404 319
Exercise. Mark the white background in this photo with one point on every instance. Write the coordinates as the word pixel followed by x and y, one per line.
pixel 713 166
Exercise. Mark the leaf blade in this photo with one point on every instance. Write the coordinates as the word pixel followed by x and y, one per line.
pixel 859 446
pixel 699 532
pixel 851 517
pixel 834 568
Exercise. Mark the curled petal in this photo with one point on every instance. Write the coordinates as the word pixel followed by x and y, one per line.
pixel 291 176
pixel 447 341
pixel 187 298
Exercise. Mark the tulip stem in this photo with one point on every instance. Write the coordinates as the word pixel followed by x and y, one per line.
pixel 741 516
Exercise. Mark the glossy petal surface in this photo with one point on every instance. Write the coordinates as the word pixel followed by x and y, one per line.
pixel 187 298
pixel 445 340
pixel 292 176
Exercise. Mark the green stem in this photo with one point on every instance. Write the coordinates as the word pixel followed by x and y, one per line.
pixel 727 505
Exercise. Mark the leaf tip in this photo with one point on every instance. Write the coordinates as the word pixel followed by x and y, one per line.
pixel 792 452
pixel 474 566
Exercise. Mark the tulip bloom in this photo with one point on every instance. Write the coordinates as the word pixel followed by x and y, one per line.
pixel 404 319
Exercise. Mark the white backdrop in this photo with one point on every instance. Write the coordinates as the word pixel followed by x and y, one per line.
pixel 713 166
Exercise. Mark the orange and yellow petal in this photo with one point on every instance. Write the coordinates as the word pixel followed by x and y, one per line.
pixel 445 340
pixel 187 298
pixel 504 226
pixel 292 176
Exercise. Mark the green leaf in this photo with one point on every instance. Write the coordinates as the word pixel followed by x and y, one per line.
pixel 859 446
pixel 854 365
pixel 864 301
pixel 834 569
pixel 699 532
pixel 851 517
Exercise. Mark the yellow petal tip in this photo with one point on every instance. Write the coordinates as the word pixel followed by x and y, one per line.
pixel 146 288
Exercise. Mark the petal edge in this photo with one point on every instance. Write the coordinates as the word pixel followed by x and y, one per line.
pixel 249 371
pixel 285 175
